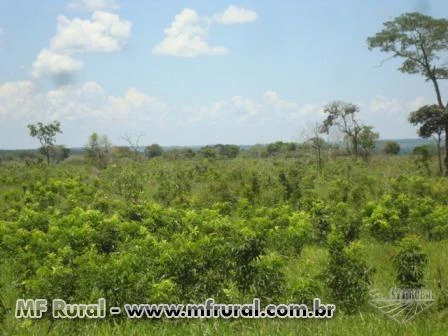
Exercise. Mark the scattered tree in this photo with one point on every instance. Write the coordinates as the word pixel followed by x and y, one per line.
pixel 367 141
pixel 391 148
pixel 318 145
pixel 343 116
pixel 46 135
pixel 153 151
pixel 59 153
pixel 432 121
pixel 98 150
pixel 419 40
pixel 220 151
pixel 134 144
pixel 422 155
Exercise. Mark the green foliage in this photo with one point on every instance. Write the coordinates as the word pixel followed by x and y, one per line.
pixel 98 150
pixel 153 151
pixel 431 119
pixel 219 151
pixel 304 290
pixel 410 263
pixel 269 281
pixel 178 229
pixel 417 39
pixel 347 275
pixel 421 42
pixel 367 139
pixel 422 156
pixel 281 148
pixel 180 153
pixel 391 148
pixel 436 227
pixel 46 134
pixel 387 219
pixel 343 116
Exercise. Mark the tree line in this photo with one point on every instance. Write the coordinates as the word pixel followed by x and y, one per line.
pixel 418 40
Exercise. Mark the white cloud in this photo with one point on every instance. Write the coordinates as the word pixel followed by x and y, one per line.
pixel 234 14
pixel 18 100
pixel 382 103
pixel 91 101
pixel 267 109
pixel 187 37
pixel 50 63
pixel 105 32
pixel 308 110
pixel 417 103
pixel 239 119
pixel 277 103
pixel 87 102
pixel 93 5
pixel 245 106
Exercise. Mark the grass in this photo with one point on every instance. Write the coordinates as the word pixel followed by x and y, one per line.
pixel 367 323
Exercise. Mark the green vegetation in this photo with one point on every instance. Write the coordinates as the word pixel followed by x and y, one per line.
pixel 185 229
pixel 391 148
pixel 46 135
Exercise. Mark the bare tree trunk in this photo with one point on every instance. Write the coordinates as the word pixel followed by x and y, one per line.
pixel 442 106
pixel 319 159
pixel 47 154
pixel 438 94
pixel 446 150
pixel 439 152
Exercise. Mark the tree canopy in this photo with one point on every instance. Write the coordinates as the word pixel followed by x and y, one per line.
pixel 418 39
pixel 421 41
pixel 46 134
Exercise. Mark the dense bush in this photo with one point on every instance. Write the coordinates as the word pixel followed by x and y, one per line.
pixel 391 148
pixel 347 275
pixel 410 263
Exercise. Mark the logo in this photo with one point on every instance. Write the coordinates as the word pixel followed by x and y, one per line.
pixel 402 305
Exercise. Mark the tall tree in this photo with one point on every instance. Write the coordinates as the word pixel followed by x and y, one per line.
pixel 343 116
pixel 432 121
pixel 420 41
pixel 46 134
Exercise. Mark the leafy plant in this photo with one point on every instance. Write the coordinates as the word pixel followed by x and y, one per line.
pixel 410 263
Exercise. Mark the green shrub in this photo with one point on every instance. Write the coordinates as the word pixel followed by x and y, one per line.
pixel 410 263
pixel 347 275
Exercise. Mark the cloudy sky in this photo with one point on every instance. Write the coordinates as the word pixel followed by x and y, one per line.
pixel 199 72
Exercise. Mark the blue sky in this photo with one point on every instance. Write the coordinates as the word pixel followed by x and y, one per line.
pixel 199 72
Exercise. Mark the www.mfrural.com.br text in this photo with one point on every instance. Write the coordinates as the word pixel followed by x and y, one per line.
pixel 59 309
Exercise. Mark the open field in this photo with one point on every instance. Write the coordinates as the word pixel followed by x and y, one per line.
pixel 186 229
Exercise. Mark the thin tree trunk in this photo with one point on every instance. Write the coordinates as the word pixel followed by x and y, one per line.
pixel 442 106
pixel 446 150
pixel 438 94
pixel 439 153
